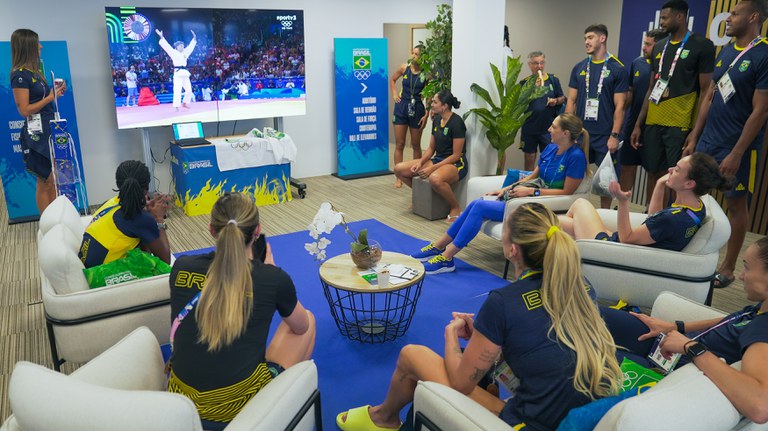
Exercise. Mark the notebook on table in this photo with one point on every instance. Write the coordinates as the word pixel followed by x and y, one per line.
pixel 189 134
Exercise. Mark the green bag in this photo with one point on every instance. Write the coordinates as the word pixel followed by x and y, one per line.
pixel 136 264
pixel 637 376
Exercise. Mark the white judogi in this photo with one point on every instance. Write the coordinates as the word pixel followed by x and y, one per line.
pixel 180 73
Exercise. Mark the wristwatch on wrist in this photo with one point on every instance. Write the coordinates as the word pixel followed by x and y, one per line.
pixel 537 192
pixel 680 326
pixel 695 349
pixel 615 135
pixel 162 226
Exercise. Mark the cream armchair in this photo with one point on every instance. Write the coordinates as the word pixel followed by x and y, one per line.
pixel 123 389
pixel 83 322
pixel 479 186
pixel 686 399
pixel 637 274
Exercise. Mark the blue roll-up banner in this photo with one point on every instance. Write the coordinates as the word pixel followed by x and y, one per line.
pixel 18 184
pixel 362 84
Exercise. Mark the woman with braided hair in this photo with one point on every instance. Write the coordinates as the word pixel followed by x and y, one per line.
pixel 128 220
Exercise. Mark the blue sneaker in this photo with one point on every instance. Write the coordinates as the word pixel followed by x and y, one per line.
pixel 427 252
pixel 439 264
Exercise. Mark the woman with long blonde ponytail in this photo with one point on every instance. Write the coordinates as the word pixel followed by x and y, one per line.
pixel 545 326
pixel 222 305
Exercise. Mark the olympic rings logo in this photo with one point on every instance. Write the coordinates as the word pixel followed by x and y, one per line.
pixel 244 146
pixel 362 75
pixel 287 24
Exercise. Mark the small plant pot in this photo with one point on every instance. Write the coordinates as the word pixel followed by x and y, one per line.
pixel 369 257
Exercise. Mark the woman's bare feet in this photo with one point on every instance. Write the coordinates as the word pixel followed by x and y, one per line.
pixel 398 183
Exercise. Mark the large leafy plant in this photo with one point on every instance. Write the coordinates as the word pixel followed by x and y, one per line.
pixel 503 120
pixel 436 52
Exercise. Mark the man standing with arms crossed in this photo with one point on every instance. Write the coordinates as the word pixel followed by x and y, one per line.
pixel 639 76
pixel 534 135
pixel 597 92
pixel 681 69
pixel 732 117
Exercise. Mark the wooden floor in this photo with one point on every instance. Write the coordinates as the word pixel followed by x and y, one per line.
pixel 22 329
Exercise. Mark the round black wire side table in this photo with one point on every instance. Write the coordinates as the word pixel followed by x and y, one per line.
pixel 365 312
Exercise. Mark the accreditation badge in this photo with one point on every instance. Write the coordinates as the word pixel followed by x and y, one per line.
pixel 590 113
pixel 725 87
pixel 659 91
pixel 34 124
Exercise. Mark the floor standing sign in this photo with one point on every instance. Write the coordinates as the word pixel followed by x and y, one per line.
pixel 362 84
pixel 18 184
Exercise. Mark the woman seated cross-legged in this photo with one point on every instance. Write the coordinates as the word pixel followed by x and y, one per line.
pixel 740 336
pixel 449 165
pixel 668 228
pixel 222 304
pixel 546 325
pixel 561 169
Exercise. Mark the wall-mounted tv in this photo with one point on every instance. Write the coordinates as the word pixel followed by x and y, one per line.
pixel 175 65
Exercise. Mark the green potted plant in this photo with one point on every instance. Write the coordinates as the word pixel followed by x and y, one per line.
pixel 436 52
pixel 503 120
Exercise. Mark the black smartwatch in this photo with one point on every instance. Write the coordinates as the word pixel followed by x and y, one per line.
pixel 695 349
pixel 537 192
pixel 615 135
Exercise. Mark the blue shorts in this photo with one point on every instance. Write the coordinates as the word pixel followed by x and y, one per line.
pixel 530 143
pixel 605 236
pixel 401 113
pixel 461 165
pixel 628 155
pixel 133 91
pixel 37 164
pixel 746 176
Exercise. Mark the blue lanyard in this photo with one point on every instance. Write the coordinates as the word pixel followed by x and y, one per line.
pixel 722 323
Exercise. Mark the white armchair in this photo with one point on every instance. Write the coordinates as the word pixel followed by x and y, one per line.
pixel 686 399
pixel 124 389
pixel 637 274
pixel 83 322
pixel 479 186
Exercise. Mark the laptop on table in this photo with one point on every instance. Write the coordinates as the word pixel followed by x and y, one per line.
pixel 189 134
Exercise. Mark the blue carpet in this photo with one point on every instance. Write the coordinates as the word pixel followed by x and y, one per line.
pixel 351 373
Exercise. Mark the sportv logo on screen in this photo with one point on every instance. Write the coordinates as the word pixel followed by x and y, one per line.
pixel 286 21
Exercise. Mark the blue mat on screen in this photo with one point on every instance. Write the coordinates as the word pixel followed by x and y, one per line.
pixel 352 374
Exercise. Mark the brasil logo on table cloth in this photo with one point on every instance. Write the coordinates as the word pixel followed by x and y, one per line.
pixel 361 63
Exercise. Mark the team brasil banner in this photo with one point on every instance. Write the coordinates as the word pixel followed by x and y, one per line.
pixel 362 84
pixel 18 184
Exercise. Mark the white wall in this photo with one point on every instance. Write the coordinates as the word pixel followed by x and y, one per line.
pixel 82 25
pixel 556 27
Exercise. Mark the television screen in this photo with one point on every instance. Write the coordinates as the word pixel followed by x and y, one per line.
pixel 175 65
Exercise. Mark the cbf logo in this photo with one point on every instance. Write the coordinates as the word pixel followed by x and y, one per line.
pixel 744 65
pixel 287 21
pixel 361 63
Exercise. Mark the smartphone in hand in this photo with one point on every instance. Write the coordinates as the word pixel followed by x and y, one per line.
pixel 260 248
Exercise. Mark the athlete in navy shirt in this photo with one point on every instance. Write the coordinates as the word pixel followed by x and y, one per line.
pixel 639 76
pixel 742 335
pixel 732 117
pixel 671 228
pixel 546 327
pixel 33 98
pixel 596 93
